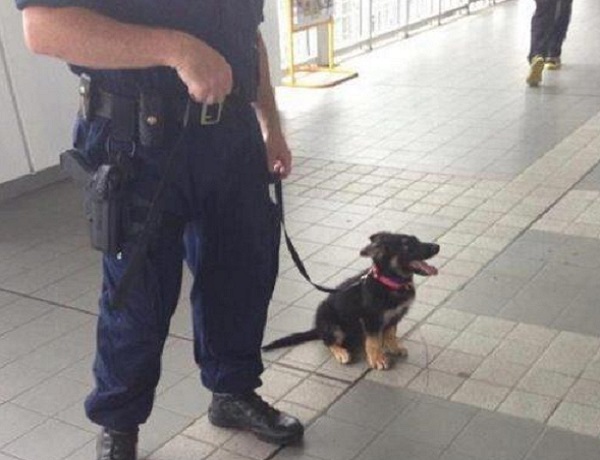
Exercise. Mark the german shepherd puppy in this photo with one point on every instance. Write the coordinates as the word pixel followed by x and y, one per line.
pixel 365 309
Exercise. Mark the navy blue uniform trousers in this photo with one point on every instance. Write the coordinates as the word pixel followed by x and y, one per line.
pixel 221 220
pixel 549 26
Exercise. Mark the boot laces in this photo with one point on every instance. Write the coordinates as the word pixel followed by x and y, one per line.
pixel 262 406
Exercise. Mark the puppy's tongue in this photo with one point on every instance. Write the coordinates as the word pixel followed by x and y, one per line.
pixel 422 267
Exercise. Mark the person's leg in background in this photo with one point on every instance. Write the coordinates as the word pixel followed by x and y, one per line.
pixel 559 33
pixel 541 31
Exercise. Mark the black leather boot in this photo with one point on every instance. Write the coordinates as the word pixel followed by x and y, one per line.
pixel 250 412
pixel 117 445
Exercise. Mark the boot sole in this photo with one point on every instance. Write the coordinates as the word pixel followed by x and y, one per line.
pixel 277 440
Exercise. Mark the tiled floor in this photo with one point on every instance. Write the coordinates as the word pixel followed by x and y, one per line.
pixel 439 137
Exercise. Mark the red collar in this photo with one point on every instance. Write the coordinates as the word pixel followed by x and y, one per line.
pixel 392 284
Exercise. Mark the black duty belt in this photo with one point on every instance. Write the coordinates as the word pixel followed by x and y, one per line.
pixel 144 116
pixel 152 108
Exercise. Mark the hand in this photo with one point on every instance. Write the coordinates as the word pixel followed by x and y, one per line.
pixel 279 157
pixel 203 70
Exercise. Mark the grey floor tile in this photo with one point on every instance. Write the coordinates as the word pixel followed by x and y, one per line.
pixel 569 353
pixel 392 445
pixel 52 395
pixel 182 448
pixel 162 426
pixel 88 451
pixel 540 302
pixel 75 415
pixel 187 397
pixel 292 319
pixel 20 312
pixel 247 444
pixel 537 237
pixel 30 336
pixel 371 405
pixel 580 252
pixel 178 357
pixel 52 440
pixel 7 298
pixel 452 454
pixel 316 393
pixel 580 418
pixel 545 382
pixel 294 453
pixel 563 445
pixel 16 421
pixel 584 319
pixel 565 273
pixel 492 436
pixel 332 439
pixel 432 421
pixel 81 371
pixel 16 379
pixel 479 303
pixel 497 284
pixel 528 405
pixel 534 249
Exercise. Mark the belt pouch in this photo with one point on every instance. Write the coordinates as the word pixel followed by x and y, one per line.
pixel 151 120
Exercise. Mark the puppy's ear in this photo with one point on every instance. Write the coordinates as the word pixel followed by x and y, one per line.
pixel 376 237
pixel 377 246
pixel 373 250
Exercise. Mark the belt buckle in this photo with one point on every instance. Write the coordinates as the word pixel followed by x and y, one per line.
pixel 211 114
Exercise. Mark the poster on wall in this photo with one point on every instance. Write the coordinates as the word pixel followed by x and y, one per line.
pixel 312 12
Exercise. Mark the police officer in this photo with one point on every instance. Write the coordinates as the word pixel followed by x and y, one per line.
pixel 549 26
pixel 144 60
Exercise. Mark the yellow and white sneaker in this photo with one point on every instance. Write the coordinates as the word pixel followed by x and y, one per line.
pixel 553 63
pixel 535 71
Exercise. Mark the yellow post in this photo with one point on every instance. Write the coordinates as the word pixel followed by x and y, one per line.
pixel 309 75
pixel 330 32
pixel 291 61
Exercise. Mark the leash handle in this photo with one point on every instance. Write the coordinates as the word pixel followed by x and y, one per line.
pixel 290 246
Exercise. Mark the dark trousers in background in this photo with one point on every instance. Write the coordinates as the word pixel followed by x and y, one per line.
pixel 549 27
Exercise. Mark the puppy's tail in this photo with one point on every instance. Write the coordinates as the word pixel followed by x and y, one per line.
pixel 293 339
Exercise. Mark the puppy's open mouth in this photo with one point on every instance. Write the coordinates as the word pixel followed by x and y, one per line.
pixel 420 267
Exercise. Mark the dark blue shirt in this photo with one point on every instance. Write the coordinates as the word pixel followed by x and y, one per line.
pixel 229 26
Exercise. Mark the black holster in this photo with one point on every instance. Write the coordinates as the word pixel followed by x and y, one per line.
pixel 103 200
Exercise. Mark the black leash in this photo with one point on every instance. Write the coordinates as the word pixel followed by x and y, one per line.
pixel 290 246
pixel 154 216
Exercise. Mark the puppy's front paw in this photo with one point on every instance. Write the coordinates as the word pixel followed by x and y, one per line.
pixel 395 347
pixel 341 355
pixel 378 361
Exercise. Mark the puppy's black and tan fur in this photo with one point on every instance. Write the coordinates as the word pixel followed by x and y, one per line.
pixel 365 309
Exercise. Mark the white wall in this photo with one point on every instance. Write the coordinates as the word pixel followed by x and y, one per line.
pixel 38 97
pixel 271 35
pixel 13 161
pixel 44 101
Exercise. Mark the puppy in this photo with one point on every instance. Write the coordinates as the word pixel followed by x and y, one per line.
pixel 365 309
